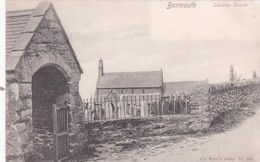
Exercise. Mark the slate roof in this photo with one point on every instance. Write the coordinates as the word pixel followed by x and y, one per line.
pixel 15 22
pixel 145 79
pixel 186 87
pixel 20 28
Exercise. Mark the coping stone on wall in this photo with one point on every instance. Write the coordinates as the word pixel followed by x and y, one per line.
pixel 32 24
pixel 41 9
pixel 22 41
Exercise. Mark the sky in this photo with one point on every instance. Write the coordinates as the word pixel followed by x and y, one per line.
pixel 187 44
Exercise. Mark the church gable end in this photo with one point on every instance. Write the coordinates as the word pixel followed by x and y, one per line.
pixel 46 42
pixel 50 38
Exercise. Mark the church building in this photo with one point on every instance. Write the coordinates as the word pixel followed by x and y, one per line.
pixel 128 83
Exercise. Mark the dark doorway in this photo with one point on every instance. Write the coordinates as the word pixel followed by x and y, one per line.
pixel 48 83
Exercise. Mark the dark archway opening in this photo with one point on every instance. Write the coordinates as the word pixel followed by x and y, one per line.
pixel 48 83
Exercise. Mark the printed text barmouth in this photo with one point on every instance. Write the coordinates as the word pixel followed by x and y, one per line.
pixel 181 5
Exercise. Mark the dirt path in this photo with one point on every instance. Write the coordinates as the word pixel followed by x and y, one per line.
pixel 238 145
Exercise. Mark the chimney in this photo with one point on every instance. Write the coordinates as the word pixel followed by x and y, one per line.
pixel 232 77
pixel 100 68
pixel 162 75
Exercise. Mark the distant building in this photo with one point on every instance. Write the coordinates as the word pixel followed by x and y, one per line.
pixel 146 82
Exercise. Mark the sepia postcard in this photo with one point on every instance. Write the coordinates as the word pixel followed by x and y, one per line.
pixel 132 81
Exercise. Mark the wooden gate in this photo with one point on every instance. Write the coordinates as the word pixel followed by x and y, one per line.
pixel 61 132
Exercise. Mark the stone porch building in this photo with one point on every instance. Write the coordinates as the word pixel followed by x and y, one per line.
pixel 41 70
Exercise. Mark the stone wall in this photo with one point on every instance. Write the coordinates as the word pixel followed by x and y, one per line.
pixel 18 124
pixel 208 101
pixel 127 129
pixel 230 96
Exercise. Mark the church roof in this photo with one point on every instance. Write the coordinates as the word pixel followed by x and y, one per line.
pixel 186 87
pixel 20 28
pixel 145 79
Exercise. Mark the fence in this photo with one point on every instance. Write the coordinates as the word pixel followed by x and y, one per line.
pixel 131 106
